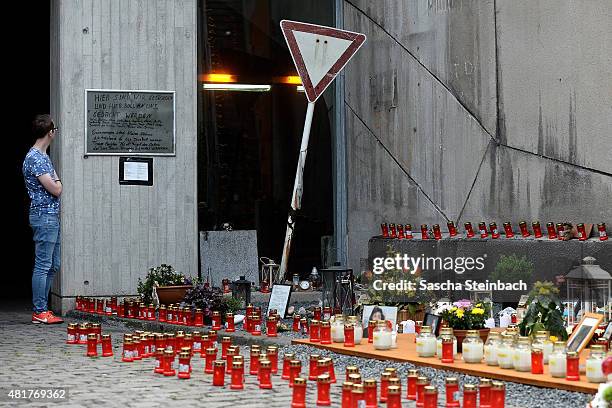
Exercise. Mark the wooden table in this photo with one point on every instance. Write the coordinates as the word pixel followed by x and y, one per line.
pixel 406 352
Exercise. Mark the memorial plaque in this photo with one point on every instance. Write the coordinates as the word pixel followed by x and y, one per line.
pixel 129 122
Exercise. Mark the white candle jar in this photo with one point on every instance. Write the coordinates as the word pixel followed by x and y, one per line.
pixel 426 343
pixel 490 348
pixel 542 342
pixel 382 336
pixel 522 355
pixel 473 348
pixel 446 332
pixel 594 372
pixel 358 327
pixel 337 329
pixel 557 362
pixel 505 352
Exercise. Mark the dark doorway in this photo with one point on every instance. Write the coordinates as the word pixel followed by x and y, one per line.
pixel 27 88
pixel 249 140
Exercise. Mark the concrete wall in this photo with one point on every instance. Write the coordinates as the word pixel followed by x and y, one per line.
pixel 112 234
pixel 471 110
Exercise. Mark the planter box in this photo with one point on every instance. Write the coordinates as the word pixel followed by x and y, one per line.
pixel 172 294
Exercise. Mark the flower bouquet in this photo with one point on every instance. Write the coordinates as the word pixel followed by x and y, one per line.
pixel 464 315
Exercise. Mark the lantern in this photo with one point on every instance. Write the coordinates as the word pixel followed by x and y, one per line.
pixel 241 289
pixel 590 288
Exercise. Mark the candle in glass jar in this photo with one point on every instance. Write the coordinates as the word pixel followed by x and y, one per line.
pixel 573 373
pixel 426 343
pixel 594 371
pixel 537 361
pixel 472 346
pixel 452 392
pixel 469 396
pixel 557 365
pixel 522 359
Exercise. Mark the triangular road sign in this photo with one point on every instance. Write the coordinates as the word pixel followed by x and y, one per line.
pixel 319 53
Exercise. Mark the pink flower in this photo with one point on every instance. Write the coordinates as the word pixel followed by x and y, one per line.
pixel 463 303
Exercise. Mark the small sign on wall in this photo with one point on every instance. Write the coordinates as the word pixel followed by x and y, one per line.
pixel 136 171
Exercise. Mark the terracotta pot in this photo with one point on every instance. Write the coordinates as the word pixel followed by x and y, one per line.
pixel 172 294
pixel 460 335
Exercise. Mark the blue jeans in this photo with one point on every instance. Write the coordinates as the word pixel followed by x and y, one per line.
pixel 46 228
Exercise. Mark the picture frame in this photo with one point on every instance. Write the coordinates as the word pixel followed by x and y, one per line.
pixel 388 313
pixel 432 321
pixel 608 333
pixel 279 298
pixel 583 331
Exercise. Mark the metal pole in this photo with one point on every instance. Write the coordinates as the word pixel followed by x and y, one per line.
pixel 296 198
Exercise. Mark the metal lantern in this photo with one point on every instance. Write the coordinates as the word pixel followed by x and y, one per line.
pixel 241 289
pixel 337 289
pixel 588 290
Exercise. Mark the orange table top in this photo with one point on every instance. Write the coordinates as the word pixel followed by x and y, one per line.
pixel 406 352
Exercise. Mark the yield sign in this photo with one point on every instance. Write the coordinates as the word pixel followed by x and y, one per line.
pixel 319 53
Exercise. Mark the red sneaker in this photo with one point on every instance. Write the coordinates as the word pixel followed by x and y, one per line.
pixel 46 317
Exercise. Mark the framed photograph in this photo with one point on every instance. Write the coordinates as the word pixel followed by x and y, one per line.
pixel 608 333
pixel 432 321
pixel 279 298
pixel 374 312
pixel 583 331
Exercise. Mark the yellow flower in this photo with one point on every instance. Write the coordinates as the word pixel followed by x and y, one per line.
pixel 553 338
pixel 477 311
pixel 453 308
pixel 459 313
pixel 479 305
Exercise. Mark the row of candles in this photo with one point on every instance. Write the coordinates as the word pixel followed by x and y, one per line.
pixel 400 231
pixel 264 364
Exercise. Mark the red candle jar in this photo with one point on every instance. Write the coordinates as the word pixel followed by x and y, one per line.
pixel 347 394
pixel 272 353
pixel 482 228
pixel 371 399
pixel 225 343
pixel 151 312
pixel 271 327
pixel 169 364
pixel 296 322
pixel 286 369
pixel 394 397
pixel 229 358
pixel 330 369
pixel 313 369
pixel 601 228
pixel 394 381
pixel 469 231
pixel 582 236
pixel 249 310
pixel 230 326
pixel 142 312
pixel 265 374
pixel 199 318
pixel 552 233
pixel 71 334
pixel 452 392
pixel 108 310
pixel 349 335
pixel 218 373
pixel 524 230
pixel 298 399
pixel 358 396
pixel 211 356
pixel 392 231
pixel 484 390
pixel 422 382
pixel 494 230
pixel 121 310
pixel 560 230
pixel 408 231
pixel 206 343
pixel 196 345
pixel 537 361
pixel 424 231
pixel 327 311
pixel 96 329
pixel 323 386
pixel 212 336
pixel 537 230
pixel 508 230
pixel 237 376
pixel 314 331
pixel 400 231
pixel 184 368
pixel 159 361
pixel 572 373
pixel 126 354
pixel 355 378
pixel 384 229
pixel 92 345
pixel 469 396
pixel 513 318
pixel 107 346
pixel 371 327
pixel 430 397
pixel 498 395
pixel 91 306
pixel 216 321
pixel 256 325
pixel 447 350
pixel 177 316
pixel 295 369
pixel 411 384
pixel 179 339
pixel 437 232
pixel 136 349
pixel 303 325
pixel 100 306
pixel 317 314
pixel 169 314
pixel 384 385
pixel 452 229
pixel 325 332
pixel 350 370
pixel 254 362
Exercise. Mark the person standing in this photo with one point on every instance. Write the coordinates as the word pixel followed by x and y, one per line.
pixel 44 188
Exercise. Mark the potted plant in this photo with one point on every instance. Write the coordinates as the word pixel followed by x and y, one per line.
pixel 169 284
pixel 464 315
pixel 543 312
pixel 210 299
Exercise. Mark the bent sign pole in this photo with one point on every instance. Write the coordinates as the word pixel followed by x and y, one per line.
pixel 319 54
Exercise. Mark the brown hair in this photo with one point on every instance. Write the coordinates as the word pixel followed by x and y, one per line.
pixel 41 125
